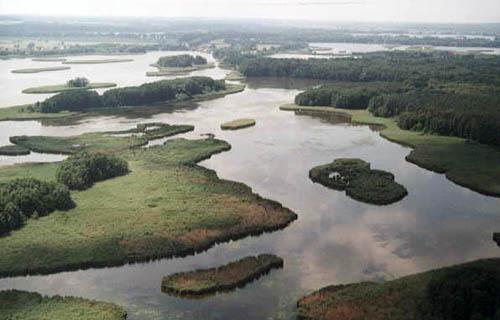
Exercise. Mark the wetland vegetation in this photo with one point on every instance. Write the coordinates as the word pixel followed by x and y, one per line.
pixel 38 70
pixel 359 181
pixel 13 150
pixel 65 87
pixel 238 124
pixel 235 274
pixel 466 291
pixel 16 304
pixel 166 206
pixel 96 61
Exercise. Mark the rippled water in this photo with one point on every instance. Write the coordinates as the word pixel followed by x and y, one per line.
pixel 335 239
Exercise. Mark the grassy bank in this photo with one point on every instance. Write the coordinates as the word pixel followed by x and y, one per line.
pixel 33 306
pixel 97 61
pixel 467 291
pixel 225 278
pixel 37 70
pixel 238 124
pixel 166 206
pixel 26 112
pixel 469 164
pixel 65 87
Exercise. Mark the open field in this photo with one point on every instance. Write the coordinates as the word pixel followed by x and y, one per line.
pixel 38 70
pixel 467 291
pixel 33 306
pixel 236 274
pixel 238 124
pixel 65 87
pixel 469 164
pixel 97 61
pixel 166 206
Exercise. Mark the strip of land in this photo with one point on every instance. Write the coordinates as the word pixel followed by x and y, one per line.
pixel 97 61
pixel 65 87
pixel 166 206
pixel 466 291
pixel 49 59
pixel 37 70
pixel 27 112
pixel 24 305
pixel 469 164
pixel 236 274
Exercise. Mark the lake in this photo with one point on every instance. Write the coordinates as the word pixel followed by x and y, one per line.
pixel 335 238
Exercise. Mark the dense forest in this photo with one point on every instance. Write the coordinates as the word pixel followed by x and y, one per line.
pixel 435 92
pixel 159 91
pixel 181 61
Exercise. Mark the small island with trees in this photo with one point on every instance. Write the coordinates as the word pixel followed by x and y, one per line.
pixel 359 181
pixel 171 65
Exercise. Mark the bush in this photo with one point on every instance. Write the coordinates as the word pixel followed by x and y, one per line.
pixel 79 82
pixel 23 198
pixel 464 294
pixel 80 171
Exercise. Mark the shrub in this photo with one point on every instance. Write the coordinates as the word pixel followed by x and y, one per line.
pixel 79 82
pixel 23 198
pixel 80 171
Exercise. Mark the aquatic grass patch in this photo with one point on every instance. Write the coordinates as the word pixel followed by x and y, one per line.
pixel 359 181
pixel 65 87
pixel 155 130
pixel 466 163
pixel 38 70
pixel 13 150
pixel 465 291
pixel 237 274
pixel 24 305
pixel 238 124
pixel 166 206
pixel 97 61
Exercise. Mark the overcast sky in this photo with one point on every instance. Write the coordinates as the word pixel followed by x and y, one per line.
pixel 328 10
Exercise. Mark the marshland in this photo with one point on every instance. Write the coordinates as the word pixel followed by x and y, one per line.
pixel 197 197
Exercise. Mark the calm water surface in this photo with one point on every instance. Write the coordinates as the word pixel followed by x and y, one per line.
pixel 335 239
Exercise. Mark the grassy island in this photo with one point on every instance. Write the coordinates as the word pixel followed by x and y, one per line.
pixel 236 274
pixel 16 304
pixel 65 87
pixel 49 59
pixel 37 70
pixel 359 181
pixel 469 164
pixel 96 61
pixel 165 206
pixel 103 142
pixel 13 150
pixel 238 124
pixel 466 291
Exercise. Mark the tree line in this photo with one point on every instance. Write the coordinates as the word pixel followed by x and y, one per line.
pixel 159 91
